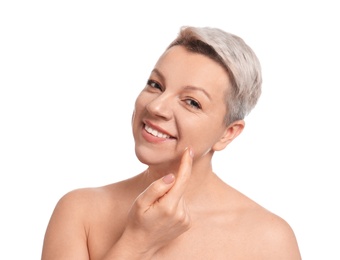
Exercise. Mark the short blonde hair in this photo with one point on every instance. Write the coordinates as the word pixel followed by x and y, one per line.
pixel 239 60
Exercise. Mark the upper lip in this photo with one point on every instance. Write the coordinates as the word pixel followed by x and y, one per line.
pixel 159 129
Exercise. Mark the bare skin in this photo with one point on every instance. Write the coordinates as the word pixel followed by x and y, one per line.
pixel 224 224
pixel 178 208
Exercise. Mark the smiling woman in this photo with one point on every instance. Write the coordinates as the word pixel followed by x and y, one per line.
pixel 193 105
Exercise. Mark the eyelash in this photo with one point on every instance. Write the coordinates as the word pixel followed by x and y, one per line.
pixel 154 84
pixel 189 101
pixel 193 103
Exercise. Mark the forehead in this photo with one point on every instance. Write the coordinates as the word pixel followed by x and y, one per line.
pixel 180 66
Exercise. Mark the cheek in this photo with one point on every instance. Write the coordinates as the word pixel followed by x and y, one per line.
pixel 203 135
pixel 197 134
pixel 139 107
pixel 140 102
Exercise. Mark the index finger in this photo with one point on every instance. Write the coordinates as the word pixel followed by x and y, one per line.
pixel 183 175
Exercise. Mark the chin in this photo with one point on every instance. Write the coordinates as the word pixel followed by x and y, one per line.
pixel 152 157
pixel 146 156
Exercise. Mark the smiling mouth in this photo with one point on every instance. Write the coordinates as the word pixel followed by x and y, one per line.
pixel 156 133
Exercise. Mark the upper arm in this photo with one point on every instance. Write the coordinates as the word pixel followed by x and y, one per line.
pixel 66 236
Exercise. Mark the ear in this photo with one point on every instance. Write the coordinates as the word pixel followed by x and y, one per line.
pixel 229 134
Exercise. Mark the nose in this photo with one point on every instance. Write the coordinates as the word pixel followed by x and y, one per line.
pixel 161 106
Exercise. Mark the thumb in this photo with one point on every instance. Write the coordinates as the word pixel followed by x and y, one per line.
pixel 156 191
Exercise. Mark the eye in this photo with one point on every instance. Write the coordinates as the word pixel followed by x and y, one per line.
pixel 193 103
pixel 154 84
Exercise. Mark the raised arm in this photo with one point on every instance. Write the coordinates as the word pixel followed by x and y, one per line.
pixel 158 216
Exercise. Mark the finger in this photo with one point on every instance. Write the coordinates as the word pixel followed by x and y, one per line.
pixel 155 191
pixel 183 175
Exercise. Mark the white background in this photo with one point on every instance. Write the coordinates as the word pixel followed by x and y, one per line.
pixel 69 74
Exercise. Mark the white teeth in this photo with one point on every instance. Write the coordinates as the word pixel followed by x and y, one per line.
pixel 155 132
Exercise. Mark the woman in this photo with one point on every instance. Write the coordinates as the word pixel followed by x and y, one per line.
pixel 193 105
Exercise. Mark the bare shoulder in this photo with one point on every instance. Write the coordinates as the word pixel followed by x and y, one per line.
pixel 85 203
pixel 83 198
pixel 75 214
pixel 255 231
pixel 77 205
pixel 269 235
pixel 276 238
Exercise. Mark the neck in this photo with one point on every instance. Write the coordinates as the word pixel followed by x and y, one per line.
pixel 201 175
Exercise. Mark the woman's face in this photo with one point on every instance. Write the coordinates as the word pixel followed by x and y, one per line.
pixel 183 104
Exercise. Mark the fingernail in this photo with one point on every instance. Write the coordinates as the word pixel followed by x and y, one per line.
pixel 169 178
pixel 191 152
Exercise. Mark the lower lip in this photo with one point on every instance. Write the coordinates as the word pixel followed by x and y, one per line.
pixel 153 139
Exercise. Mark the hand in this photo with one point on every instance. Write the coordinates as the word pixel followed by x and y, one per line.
pixel 159 214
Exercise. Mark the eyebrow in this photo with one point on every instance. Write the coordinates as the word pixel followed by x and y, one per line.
pixel 199 89
pixel 159 74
